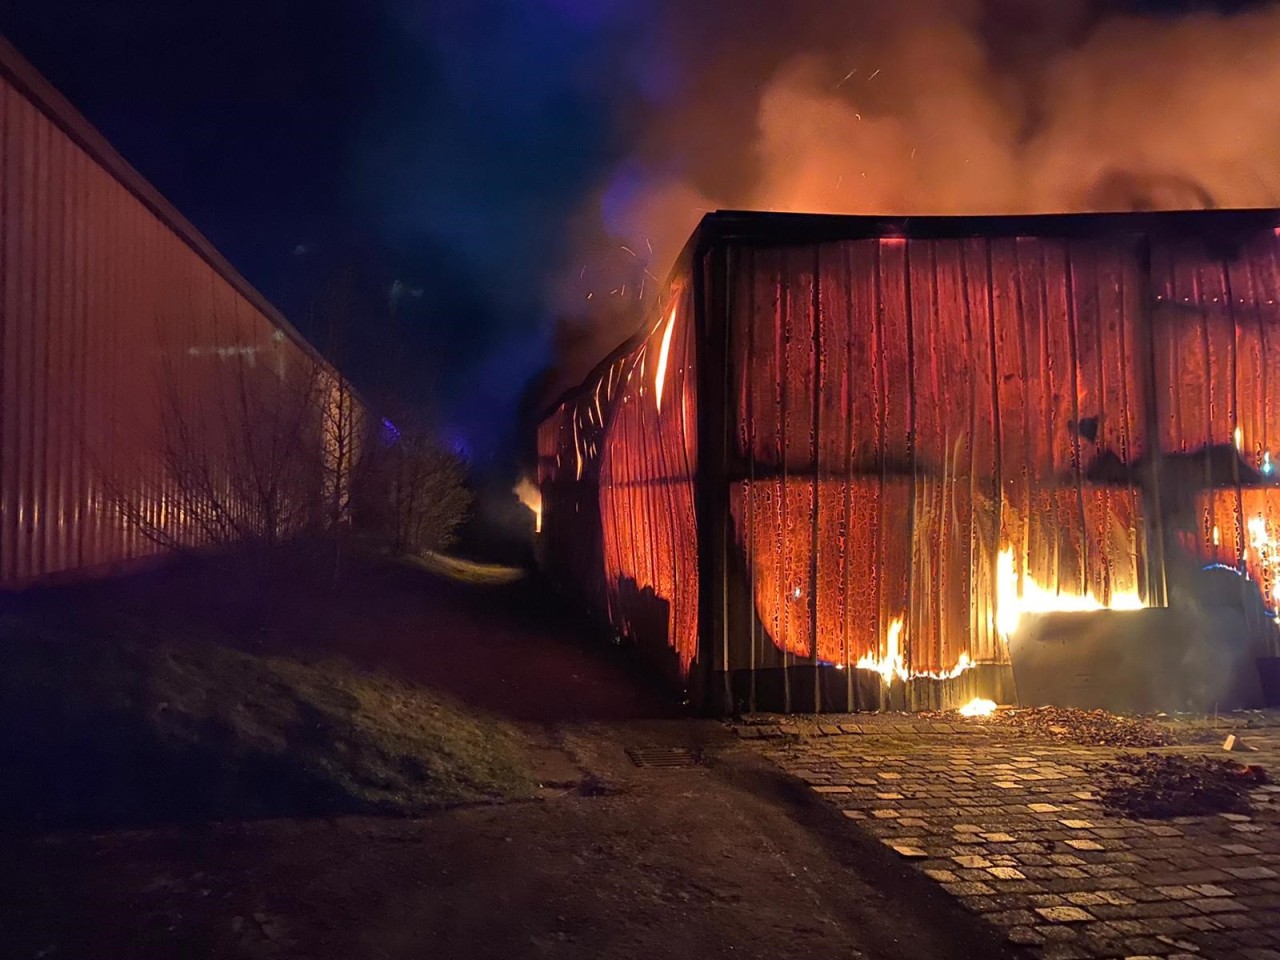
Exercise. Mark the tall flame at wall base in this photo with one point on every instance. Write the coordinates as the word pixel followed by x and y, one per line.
pixel 892 664
pixel 1014 598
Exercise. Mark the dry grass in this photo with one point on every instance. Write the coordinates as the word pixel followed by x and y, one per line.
pixel 465 571
pixel 110 718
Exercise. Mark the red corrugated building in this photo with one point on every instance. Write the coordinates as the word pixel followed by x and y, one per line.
pixel 846 455
pixel 118 320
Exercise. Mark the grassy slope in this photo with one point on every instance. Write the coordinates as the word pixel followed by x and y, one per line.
pixel 112 718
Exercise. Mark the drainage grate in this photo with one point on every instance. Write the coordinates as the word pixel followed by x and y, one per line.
pixel 661 757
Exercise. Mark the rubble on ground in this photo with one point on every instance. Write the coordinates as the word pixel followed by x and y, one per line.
pixel 1086 727
pixel 1163 785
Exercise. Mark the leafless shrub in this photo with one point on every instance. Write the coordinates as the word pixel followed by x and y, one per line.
pixel 410 493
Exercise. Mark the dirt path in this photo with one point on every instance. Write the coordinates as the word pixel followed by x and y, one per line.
pixel 727 858
pixel 723 860
pixel 510 649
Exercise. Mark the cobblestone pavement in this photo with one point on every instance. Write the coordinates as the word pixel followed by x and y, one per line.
pixel 1010 826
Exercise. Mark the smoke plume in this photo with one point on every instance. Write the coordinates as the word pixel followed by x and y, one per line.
pixel 919 107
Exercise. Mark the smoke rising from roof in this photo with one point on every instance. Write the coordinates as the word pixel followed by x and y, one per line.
pixel 921 107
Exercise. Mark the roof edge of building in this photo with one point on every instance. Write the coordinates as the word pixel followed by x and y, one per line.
pixel 15 68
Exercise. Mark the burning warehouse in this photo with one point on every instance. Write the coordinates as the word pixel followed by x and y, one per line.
pixel 857 463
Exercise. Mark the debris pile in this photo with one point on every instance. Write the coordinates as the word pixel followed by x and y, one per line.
pixel 1161 785
pixel 1086 727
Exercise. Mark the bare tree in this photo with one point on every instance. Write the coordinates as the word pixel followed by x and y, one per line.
pixel 245 450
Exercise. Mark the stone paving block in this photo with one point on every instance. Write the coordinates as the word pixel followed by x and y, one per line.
pixel 1038 873
pixel 1162 908
pixel 1084 844
pixel 909 852
pixel 1242 849
pixel 1210 890
pixel 1205 923
pixel 1006 873
pixel 1177 892
pixel 1064 914
pixel 1085 898
pixel 1023 936
pixel 1251 873
pixel 1041 786
pixel 1013 918
pixel 1067 859
pixel 1066 951
pixel 1217 905
pixel 1057 932
pixel 968 889
pixel 830 789
pixel 1100 870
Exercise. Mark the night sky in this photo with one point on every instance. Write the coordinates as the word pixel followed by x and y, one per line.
pixel 329 146
pixel 408 165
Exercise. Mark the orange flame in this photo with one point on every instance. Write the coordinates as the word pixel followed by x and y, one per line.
pixel 892 664
pixel 1014 598
pixel 661 375
pixel 978 707
pixel 528 493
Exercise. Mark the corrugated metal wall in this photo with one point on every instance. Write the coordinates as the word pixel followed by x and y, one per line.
pixel 931 437
pixel 938 436
pixel 617 478
pixel 113 310
pixel 907 411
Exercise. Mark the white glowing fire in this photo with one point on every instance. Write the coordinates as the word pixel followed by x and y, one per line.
pixel 891 664
pixel 529 494
pixel 1013 600
pixel 1264 545
pixel 978 707
pixel 661 375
